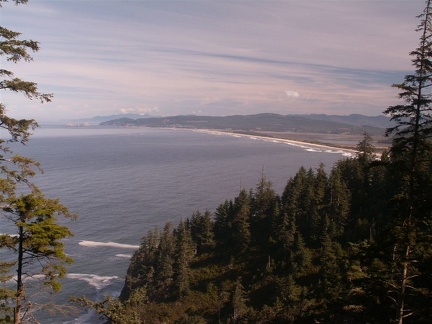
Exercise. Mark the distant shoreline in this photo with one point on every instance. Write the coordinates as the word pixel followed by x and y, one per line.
pixel 304 144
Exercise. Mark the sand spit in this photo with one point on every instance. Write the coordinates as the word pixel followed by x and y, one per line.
pixel 302 144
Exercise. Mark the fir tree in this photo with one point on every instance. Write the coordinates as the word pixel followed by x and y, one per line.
pixel 184 252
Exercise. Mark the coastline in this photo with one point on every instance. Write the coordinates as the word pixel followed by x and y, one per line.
pixel 316 147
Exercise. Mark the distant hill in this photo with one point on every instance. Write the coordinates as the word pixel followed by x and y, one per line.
pixel 326 124
pixel 99 119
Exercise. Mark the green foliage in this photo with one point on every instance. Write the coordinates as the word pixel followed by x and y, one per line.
pixel 117 312
pixel 37 244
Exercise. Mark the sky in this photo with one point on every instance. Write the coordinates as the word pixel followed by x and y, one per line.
pixel 212 57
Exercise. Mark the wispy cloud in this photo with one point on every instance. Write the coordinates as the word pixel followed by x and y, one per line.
pixel 214 57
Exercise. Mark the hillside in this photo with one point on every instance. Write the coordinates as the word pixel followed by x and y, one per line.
pixel 266 122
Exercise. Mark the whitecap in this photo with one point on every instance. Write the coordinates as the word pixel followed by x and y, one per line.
pixel 109 244
pixel 128 256
pixel 10 235
pixel 96 281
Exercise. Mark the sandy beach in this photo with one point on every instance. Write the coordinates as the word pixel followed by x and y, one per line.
pixel 316 147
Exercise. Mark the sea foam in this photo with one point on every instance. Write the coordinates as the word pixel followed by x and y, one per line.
pixel 108 244
pixel 127 256
pixel 96 281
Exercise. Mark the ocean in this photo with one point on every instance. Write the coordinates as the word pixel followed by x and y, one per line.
pixel 122 182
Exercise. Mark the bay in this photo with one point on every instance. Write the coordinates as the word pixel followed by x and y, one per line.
pixel 125 181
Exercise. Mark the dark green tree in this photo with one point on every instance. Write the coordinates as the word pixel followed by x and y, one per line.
pixel 201 227
pixel 166 256
pixel 184 253
pixel 411 156
pixel 240 223
pixel 338 209
pixel 222 226
pixel 264 211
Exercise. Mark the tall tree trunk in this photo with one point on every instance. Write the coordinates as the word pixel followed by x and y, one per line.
pixel 404 281
pixel 20 287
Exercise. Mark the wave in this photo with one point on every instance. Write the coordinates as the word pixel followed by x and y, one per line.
pixel 96 281
pixel 128 256
pixel 10 235
pixel 310 147
pixel 109 244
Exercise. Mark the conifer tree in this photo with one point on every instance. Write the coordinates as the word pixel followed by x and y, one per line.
pixel 240 223
pixel 201 227
pixel 339 204
pixel 264 212
pixel 411 156
pixel 184 253
pixel 222 226
pixel 365 150
pixel 238 302
pixel 166 255
pixel 37 242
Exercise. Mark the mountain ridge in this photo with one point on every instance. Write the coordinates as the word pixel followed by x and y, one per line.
pixel 314 123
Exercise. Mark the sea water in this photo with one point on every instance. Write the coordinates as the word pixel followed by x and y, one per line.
pixel 122 182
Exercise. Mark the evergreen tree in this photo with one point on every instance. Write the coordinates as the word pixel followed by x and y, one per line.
pixel 141 271
pixel 411 156
pixel 264 212
pixel 338 209
pixel 365 150
pixel 201 227
pixel 37 242
pixel 166 256
pixel 184 252
pixel 240 223
pixel 222 226
pixel 238 302
pixel 331 280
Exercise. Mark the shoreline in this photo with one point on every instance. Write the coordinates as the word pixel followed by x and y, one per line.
pixel 348 152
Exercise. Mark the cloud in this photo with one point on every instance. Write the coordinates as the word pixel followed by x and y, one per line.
pixel 222 57
pixel 292 94
pixel 140 111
